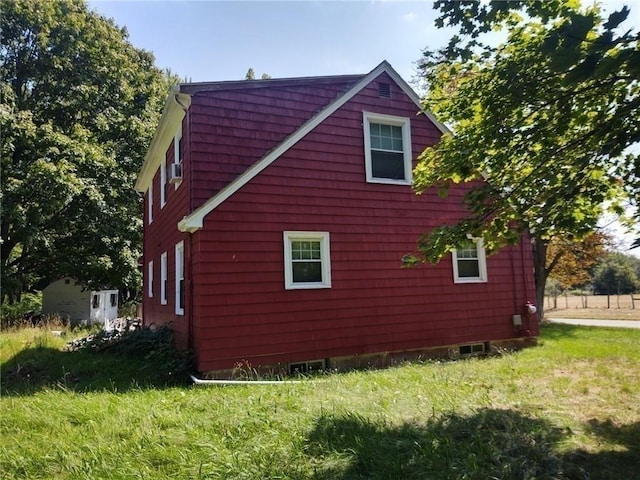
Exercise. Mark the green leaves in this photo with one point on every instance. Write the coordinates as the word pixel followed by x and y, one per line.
pixel 545 117
pixel 79 107
pixel 549 118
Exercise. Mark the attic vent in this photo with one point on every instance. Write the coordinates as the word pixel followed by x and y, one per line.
pixel 384 90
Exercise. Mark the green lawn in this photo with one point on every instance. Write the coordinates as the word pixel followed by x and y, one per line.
pixel 567 409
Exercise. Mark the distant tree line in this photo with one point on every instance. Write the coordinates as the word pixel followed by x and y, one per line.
pixel 592 265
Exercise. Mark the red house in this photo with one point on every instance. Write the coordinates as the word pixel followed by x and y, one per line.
pixel 276 216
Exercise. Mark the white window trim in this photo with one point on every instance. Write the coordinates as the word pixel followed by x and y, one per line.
pixel 150 279
pixel 325 254
pixel 179 275
pixel 163 184
pixel 404 123
pixel 163 279
pixel 482 264
pixel 177 158
pixel 150 203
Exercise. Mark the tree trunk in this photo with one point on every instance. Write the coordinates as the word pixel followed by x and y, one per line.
pixel 540 271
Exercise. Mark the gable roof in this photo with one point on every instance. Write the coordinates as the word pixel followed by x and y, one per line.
pixel 195 220
pixel 179 100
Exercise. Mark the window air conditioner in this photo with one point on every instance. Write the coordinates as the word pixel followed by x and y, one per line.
pixel 175 173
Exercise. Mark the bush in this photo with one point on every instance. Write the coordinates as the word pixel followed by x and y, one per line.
pixel 29 306
pixel 155 346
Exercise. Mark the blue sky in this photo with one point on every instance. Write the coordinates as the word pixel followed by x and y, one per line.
pixel 215 40
pixel 219 40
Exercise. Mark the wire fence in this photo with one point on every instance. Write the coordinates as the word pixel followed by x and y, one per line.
pixel 627 301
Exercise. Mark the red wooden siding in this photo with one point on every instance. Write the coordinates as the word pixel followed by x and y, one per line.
pixel 231 130
pixel 241 310
pixel 161 236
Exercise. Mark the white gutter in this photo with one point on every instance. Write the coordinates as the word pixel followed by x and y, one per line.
pixel 198 381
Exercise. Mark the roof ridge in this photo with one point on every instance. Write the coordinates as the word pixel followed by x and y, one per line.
pixel 195 87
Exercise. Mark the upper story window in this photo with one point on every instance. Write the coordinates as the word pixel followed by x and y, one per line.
pixel 469 262
pixel 178 157
pixel 177 145
pixel 150 203
pixel 163 184
pixel 307 262
pixel 387 148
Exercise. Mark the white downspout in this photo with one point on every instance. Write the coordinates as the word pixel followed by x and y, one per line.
pixel 198 381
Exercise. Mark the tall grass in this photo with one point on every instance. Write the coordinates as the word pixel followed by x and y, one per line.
pixel 568 409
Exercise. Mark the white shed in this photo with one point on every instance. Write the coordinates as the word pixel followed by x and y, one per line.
pixel 68 299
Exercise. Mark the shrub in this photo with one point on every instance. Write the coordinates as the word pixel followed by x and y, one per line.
pixel 29 306
pixel 155 346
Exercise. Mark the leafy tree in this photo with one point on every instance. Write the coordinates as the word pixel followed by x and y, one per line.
pixel 251 75
pixel 546 117
pixel 79 108
pixel 570 263
pixel 616 275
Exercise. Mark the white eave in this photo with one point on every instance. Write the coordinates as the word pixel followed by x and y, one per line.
pixel 172 115
pixel 195 220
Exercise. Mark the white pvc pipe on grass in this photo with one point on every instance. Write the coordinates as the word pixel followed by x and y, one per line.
pixel 199 381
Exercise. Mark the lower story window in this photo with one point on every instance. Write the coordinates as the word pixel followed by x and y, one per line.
pixel 469 262
pixel 180 278
pixel 307 260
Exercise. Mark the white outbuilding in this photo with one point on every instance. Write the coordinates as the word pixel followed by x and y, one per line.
pixel 70 300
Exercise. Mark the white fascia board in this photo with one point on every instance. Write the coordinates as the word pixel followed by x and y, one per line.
pixel 195 220
pixel 172 115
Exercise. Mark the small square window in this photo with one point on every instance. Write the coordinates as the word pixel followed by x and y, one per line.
pixel 469 262
pixel 307 262
pixel 387 141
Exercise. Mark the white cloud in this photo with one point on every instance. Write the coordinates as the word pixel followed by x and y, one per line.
pixel 409 17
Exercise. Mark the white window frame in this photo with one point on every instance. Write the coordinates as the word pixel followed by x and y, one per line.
pixel 163 279
pixel 150 279
pixel 405 125
pixel 179 276
pixel 482 264
pixel 178 156
pixel 163 184
pixel 150 203
pixel 325 259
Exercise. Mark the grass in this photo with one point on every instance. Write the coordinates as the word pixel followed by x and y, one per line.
pixel 567 409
